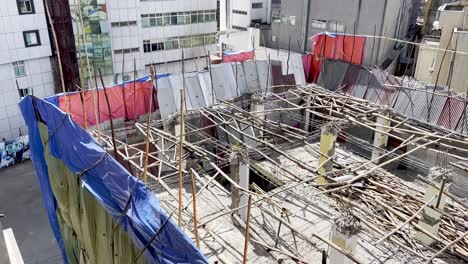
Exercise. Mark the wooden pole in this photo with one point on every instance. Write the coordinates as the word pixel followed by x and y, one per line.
pixel 148 127
pixel 247 226
pixel 93 85
pixel 194 203
pixel 123 87
pixel 407 221
pixel 446 247
pixel 110 116
pixel 181 148
pixel 57 49
pixel 134 89
pixel 83 94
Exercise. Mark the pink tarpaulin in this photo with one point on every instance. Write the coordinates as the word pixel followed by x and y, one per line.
pixel 135 104
pixel 239 56
pixel 333 46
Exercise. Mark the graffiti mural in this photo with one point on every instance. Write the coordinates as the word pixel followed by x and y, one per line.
pixel 14 151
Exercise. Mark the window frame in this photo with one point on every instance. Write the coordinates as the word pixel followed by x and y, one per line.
pixel 33 9
pixel 38 35
pixel 18 64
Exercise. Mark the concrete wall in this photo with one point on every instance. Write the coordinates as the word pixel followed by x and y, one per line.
pixel 425 62
pixel 387 17
pixel 459 78
pixel 37 78
pixel 449 20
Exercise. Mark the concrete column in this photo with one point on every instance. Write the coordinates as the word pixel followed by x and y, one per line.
pixel 430 220
pixel 240 173
pixel 258 105
pixel 345 235
pixel 380 138
pixel 327 150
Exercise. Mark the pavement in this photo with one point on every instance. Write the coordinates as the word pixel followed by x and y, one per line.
pixel 21 202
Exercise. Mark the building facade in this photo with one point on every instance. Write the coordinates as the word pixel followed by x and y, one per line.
pixel 121 36
pixel 299 19
pixel 25 66
pixel 241 14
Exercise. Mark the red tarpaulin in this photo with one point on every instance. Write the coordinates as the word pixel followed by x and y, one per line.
pixel 238 56
pixel 135 103
pixel 333 46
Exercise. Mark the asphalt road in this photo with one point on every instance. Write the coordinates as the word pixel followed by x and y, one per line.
pixel 21 202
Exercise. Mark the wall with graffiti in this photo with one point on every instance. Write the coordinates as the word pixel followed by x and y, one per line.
pixel 14 151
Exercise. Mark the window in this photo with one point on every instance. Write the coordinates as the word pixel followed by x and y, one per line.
pixel 257 5
pixel 120 51
pixel 23 92
pixel 20 69
pixel 25 7
pixel 292 20
pixel 319 23
pixel 125 23
pixel 180 42
pixel 335 26
pixel 31 38
pixel 239 12
pixel 239 28
pixel 146 46
pixel 179 18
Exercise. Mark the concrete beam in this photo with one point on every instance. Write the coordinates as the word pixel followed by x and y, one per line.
pixel 240 173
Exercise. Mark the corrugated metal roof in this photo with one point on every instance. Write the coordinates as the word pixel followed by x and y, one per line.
pixel 167 104
pixel 452 113
pixel 194 91
pixel 238 69
pixel 224 82
pixel 251 75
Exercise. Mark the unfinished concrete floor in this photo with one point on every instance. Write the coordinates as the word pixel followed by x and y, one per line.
pixel 21 202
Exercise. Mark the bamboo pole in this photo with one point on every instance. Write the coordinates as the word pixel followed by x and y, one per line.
pixel 83 94
pixel 194 203
pixel 407 221
pixel 447 247
pixel 59 58
pixel 247 226
pixel 181 148
pixel 148 127
pixel 93 85
pixel 110 116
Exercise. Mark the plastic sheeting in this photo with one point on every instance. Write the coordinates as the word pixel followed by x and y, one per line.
pixel 107 181
pixel 133 105
pixel 334 46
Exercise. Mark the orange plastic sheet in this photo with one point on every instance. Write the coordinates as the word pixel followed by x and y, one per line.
pixel 131 107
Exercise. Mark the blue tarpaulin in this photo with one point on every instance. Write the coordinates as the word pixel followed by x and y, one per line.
pixel 109 182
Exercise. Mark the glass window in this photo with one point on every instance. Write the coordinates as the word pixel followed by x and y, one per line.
pixel 173 18
pixel 292 20
pixel 20 69
pixel 175 44
pixel 166 19
pixel 200 17
pixel 145 21
pixel 257 5
pixel 180 18
pixel 31 38
pixel 25 7
pixel 146 46
pixel 319 23
pixel 194 17
pixel 23 92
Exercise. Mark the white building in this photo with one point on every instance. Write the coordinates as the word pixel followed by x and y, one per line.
pixel 24 61
pixel 150 32
pixel 241 14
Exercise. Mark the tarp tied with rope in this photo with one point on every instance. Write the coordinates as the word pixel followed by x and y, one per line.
pixel 86 192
